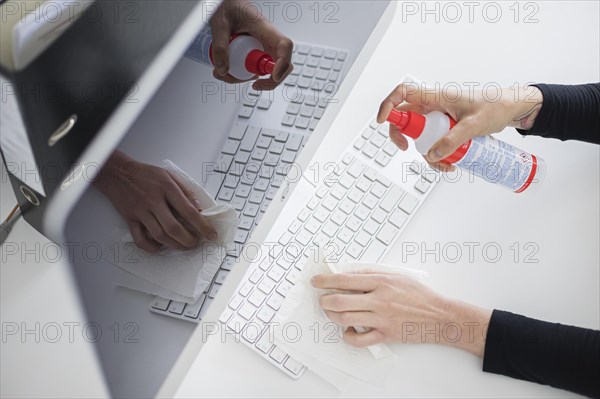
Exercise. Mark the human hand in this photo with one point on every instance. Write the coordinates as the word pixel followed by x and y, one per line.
pixel 240 16
pixel 159 208
pixel 398 308
pixel 475 112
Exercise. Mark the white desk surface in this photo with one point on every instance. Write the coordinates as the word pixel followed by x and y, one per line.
pixel 562 219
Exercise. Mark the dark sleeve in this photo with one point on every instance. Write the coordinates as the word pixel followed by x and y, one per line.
pixel 569 112
pixel 553 354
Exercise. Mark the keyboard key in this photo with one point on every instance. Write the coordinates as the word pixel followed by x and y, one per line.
pixel 226 194
pixel 355 195
pixel 257 298
pixel 278 355
pixel 398 218
pixel 369 150
pixel 193 310
pixel 304 83
pixel 241 236
pixel 422 185
pixel 330 229
pixel 382 159
pixel 308 71
pixel 408 203
pixel 302 122
pixel 304 237
pixel 214 290
pixel 378 189
pixel 266 285
pixel 288 120
pixel 275 301
pixel 243 191
pixel 388 203
pixel 237 132
pixel 379 215
pixel 345 235
pixel 284 288
pixel 231 147
pixel 246 112
pixel 293 366
pixel 356 169
pixel 256 197
pixel 354 250
pixel 249 139
pixel 247 311
pixel 176 307
pixel 160 303
pixel 288 156
pixel 371 226
pixel 294 143
pixel 235 302
pixel 347 206
pixel 338 218
pixel 390 149
pixel 342 55
pixel 228 263
pixel 387 233
pixel 276 273
pixel 367 133
pixel 236 323
pixel 223 163
pixel 264 103
pixel 362 212
pixel 265 314
pixel 246 288
pixel 221 276
pixel 362 238
pixel 359 143
pixel 252 331
pixel 370 201
pixel 242 157
pixel 313 61
pixel 330 203
pixel 264 344
pixel 251 210
pixel 295 226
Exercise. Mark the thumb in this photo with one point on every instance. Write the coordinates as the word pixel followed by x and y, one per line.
pixel 447 145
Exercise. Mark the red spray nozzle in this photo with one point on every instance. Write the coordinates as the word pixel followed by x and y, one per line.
pixel 259 63
pixel 408 122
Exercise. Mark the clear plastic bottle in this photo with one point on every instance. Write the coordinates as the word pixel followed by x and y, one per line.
pixel 247 57
pixel 484 156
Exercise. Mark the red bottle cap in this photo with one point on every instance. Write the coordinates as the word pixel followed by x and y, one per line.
pixel 408 122
pixel 259 63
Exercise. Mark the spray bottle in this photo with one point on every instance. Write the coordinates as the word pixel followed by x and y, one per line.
pixel 491 159
pixel 247 57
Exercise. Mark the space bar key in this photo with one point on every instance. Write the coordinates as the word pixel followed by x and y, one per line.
pixel 374 252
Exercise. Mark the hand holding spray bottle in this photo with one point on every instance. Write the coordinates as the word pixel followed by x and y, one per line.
pixel 485 156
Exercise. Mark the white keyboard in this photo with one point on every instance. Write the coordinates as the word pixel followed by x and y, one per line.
pixel 270 130
pixel 357 212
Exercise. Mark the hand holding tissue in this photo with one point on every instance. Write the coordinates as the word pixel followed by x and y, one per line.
pixel 177 275
pixel 303 330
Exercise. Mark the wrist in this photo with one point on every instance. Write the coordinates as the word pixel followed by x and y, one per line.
pixel 466 326
pixel 112 171
pixel 525 107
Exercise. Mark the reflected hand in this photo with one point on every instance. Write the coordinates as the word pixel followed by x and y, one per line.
pixel 476 114
pixel 159 209
pixel 240 16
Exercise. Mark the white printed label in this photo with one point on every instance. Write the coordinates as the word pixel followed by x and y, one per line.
pixel 498 162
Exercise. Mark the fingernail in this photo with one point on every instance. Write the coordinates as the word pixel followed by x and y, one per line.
pixel 197 203
pixel 213 236
pixel 313 280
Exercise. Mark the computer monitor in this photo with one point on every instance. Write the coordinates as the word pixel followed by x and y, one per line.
pixel 176 118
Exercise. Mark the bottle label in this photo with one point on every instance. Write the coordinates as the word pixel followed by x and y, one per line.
pixel 199 50
pixel 498 162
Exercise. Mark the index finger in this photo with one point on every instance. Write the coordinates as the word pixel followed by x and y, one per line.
pixel 427 99
pixel 345 282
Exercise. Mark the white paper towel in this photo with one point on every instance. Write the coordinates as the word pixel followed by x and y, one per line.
pixel 177 275
pixel 320 344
